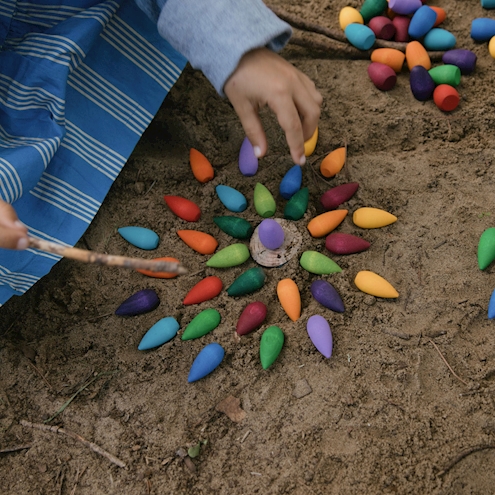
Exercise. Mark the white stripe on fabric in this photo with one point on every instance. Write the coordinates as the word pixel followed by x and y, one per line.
pixel 93 152
pixel 50 256
pixel 7 7
pixel 107 11
pixel 38 234
pixel 51 15
pixel 10 182
pixel 66 197
pixel 64 59
pixel 158 57
pixel 22 97
pixel 110 99
pixel 45 147
pixel 43 235
pixel 55 48
pixel 141 53
pixel 20 282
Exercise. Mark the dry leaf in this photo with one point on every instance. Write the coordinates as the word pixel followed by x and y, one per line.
pixel 231 407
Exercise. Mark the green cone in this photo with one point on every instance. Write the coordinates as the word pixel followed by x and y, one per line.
pixel 249 281
pixel 234 226
pixel 446 74
pixel 372 8
pixel 315 262
pixel 486 248
pixel 271 344
pixel 297 205
pixel 201 324
pixel 232 255
pixel 264 202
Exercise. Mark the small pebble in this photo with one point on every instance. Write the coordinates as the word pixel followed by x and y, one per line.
pixel 301 389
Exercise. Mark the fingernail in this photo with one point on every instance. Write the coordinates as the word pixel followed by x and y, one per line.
pixel 302 160
pixel 257 151
pixel 22 243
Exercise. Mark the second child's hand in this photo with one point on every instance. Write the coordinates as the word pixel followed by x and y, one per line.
pixel 264 78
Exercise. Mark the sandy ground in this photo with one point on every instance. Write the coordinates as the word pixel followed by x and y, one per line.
pixel 385 414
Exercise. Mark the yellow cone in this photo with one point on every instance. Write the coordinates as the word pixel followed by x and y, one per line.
pixel 372 218
pixel 310 144
pixel 371 283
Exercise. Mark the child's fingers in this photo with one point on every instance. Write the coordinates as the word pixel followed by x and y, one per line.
pixel 13 235
pixel 308 104
pixel 251 123
pixel 290 121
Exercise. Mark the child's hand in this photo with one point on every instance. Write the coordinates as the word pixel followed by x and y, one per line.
pixel 265 78
pixel 13 235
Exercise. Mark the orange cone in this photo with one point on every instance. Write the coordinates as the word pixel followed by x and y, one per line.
pixel 290 298
pixel 201 242
pixel 200 166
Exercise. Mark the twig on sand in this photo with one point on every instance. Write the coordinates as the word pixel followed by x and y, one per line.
pixel 14 449
pixel 448 365
pixel 330 46
pixel 78 477
pixel 106 259
pixel 39 373
pixel 75 436
pixel 464 454
pixel 86 385
pixel 337 39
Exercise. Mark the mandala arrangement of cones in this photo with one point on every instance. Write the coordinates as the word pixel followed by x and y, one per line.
pixel 271 243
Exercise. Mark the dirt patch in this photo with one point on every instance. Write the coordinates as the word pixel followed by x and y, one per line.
pixel 384 414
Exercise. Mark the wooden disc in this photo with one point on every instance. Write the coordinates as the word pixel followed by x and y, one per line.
pixel 276 257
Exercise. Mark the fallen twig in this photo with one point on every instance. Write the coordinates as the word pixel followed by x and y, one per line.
pixel 15 449
pixel 39 373
pixel 75 436
pixel 448 365
pixel 400 335
pixel 106 259
pixel 78 477
pixel 338 38
pixel 464 454
pixel 330 46
pixel 86 385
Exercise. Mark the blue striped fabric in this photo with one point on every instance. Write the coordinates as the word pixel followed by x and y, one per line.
pixel 79 83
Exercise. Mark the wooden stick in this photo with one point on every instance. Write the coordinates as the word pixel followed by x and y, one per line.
pixel 86 385
pixel 14 449
pixel 464 454
pixel 448 365
pixel 338 36
pixel 107 259
pixel 75 436
pixel 330 46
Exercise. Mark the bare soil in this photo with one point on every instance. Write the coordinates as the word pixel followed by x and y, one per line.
pixel 406 402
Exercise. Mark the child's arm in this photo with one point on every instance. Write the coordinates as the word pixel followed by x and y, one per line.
pixel 233 42
pixel 13 235
pixel 264 78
